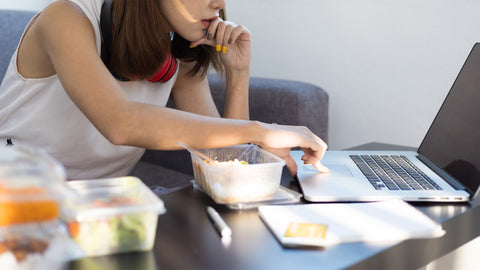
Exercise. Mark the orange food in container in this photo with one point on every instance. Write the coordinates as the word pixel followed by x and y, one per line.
pixel 32 189
pixel 28 211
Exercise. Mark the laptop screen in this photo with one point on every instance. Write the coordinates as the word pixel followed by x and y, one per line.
pixel 453 140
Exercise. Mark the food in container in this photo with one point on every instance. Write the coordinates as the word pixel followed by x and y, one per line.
pixel 38 246
pixel 32 188
pixel 240 174
pixel 113 215
pixel 27 204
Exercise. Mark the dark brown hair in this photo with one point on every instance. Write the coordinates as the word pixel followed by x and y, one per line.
pixel 141 42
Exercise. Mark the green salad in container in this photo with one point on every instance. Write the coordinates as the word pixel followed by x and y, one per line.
pixel 113 215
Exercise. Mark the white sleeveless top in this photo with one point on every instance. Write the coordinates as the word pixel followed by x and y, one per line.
pixel 38 112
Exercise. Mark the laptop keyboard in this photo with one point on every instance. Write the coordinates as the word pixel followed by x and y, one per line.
pixel 395 172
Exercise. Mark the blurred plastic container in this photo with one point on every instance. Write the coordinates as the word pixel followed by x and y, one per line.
pixel 113 215
pixel 239 183
pixel 35 246
pixel 32 189
pixel 32 185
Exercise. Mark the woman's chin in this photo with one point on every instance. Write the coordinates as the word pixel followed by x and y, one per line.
pixel 195 37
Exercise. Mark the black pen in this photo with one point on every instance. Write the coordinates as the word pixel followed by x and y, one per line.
pixel 218 223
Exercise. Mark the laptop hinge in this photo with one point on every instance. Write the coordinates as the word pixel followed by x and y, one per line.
pixel 440 172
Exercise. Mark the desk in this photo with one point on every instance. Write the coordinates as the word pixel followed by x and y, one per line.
pixel 186 239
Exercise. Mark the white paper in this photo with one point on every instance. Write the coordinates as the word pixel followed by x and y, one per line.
pixel 386 221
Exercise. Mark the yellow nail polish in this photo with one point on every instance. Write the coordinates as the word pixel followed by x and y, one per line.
pixel 224 50
pixel 218 48
pixel 193 46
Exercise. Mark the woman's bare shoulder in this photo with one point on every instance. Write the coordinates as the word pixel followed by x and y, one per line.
pixel 57 29
pixel 62 14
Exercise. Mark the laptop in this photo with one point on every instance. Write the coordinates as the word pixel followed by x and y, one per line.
pixel 445 168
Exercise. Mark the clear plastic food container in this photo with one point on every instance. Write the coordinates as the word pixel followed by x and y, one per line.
pixel 113 215
pixel 39 246
pixel 32 190
pixel 241 174
pixel 32 186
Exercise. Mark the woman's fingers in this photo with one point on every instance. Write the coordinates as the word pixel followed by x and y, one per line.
pixel 313 157
pixel 320 167
pixel 226 39
pixel 313 147
pixel 212 30
pixel 291 165
pixel 284 153
pixel 211 34
pixel 220 34
pixel 237 32
pixel 232 41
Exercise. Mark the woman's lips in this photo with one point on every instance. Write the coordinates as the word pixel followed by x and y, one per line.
pixel 206 23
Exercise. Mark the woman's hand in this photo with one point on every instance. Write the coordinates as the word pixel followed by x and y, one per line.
pixel 280 139
pixel 232 41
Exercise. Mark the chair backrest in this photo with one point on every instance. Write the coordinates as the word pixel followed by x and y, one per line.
pixel 12 24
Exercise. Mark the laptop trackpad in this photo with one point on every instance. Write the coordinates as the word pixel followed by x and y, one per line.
pixel 338 171
pixel 339 184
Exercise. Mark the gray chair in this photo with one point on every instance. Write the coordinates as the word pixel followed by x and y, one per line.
pixel 271 100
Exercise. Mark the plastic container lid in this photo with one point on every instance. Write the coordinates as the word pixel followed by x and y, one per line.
pixel 33 164
pixel 112 196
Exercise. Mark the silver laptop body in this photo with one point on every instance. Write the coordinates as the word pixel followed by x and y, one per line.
pixel 346 182
pixel 449 156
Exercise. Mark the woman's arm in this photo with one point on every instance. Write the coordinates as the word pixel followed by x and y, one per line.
pixel 65 43
pixel 66 39
pixel 233 43
pixel 192 94
pixel 236 96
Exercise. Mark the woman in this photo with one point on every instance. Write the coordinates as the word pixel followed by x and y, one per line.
pixel 82 84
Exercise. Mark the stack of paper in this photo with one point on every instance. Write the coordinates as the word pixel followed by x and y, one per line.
pixel 385 221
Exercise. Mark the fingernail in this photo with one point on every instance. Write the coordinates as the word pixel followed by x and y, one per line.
pixel 193 46
pixel 224 50
pixel 230 41
pixel 209 36
pixel 218 48
pixel 324 169
pixel 320 167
